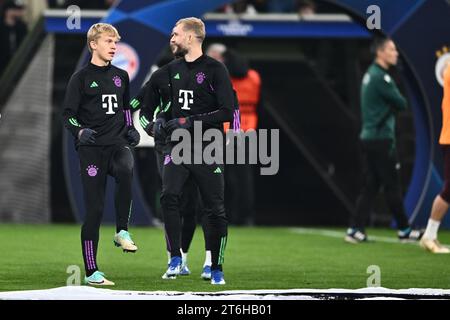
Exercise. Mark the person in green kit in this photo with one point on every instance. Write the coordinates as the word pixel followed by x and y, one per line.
pixel 380 101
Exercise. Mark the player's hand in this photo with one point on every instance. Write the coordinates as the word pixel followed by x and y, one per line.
pixel 158 127
pixel 155 128
pixel 178 123
pixel 133 137
pixel 157 131
pixel 86 136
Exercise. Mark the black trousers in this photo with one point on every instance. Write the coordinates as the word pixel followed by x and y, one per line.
pixel 189 206
pixel 381 169
pixel 210 181
pixel 96 163
pixel 445 192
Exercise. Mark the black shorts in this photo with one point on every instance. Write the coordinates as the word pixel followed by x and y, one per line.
pixel 445 193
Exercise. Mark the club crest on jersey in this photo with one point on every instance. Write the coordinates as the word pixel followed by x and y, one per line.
pixel 109 103
pixel 200 77
pixel 92 170
pixel 117 81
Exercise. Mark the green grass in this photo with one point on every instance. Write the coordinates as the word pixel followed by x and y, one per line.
pixel 36 257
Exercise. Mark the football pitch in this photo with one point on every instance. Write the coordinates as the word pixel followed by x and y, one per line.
pixel 38 257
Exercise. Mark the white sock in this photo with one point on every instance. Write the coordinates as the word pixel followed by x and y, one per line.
pixel 183 257
pixel 168 257
pixel 432 229
pixel 207 258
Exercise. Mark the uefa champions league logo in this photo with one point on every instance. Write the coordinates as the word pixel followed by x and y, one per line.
pixel 117 81
pixel 92 170
pixel 200 77
pixel 127 58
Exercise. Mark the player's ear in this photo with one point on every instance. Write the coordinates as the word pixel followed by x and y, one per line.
pixel 93 44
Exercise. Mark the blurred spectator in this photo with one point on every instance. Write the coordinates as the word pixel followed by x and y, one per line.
pixel 56 3
pixel 12 30
pixel 109 3
pixel 247 84
pixel 90 4
pixel 259 5
pixel 305 8
pixel 280 6
pixel 239 179
pixel 244 7
pixel 216 51
pixel 239 7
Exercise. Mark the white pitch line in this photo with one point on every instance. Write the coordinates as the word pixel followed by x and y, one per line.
pixel 90 293
pixel 341 235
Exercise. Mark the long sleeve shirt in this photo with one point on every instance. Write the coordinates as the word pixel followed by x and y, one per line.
pixel 98 98
pixel 380 100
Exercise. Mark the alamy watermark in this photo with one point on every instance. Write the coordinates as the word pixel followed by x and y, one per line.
pixel 75 275
pixel 208 146
pixel 73 21
pixel 374 20
pixel 374 280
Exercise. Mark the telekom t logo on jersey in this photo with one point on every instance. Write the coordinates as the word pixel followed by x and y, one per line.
pixel 109 102
pixel 186 97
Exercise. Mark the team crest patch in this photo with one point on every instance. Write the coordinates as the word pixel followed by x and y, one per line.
pixel 92 170
pixel 117 81
pixel 200 77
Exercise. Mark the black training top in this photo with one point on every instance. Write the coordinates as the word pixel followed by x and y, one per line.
pixel 154 97
pixel 201 90
pixel 98 98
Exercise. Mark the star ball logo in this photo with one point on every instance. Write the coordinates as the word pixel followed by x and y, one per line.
pixel 127 58
pixel 200 77
pixel 117 81
pixel 442 63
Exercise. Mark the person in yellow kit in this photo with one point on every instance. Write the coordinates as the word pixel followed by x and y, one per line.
pixel 441 202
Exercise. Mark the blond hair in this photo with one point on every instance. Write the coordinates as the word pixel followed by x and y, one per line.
pixel 97 29
pixel 193 24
